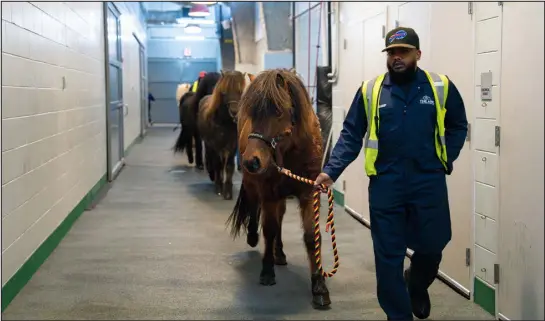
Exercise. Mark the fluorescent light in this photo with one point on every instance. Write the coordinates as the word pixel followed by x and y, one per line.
pixel 204 2
pixel 189 38
pixel 195 21
pixel 199 14
pixel 191 28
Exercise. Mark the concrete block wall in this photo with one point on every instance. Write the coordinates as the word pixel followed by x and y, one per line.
pixel 53 118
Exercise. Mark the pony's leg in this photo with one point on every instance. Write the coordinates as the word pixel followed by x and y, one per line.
pixel 229 168
pixel 252 238
pixel 320 293
pixel 271 226
pixel 198 150
pixel 279 255
pixel 218 170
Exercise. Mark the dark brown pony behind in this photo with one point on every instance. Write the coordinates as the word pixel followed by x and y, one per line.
pixel 278 127
pixel 217 124
pixel 189 111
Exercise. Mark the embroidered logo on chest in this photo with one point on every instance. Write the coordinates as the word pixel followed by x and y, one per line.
pixel 426 100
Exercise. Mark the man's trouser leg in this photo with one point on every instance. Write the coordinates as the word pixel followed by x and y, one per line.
pixel 429 231
pixel 388 230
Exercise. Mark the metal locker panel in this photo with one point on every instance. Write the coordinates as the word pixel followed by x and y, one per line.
pixel 486 233
pixel 486 200
pixel 486 10
pixel 484 135
pixel 484 265
pixel 487 35
pixel 487 109
pixel 486 168
pixel 486 62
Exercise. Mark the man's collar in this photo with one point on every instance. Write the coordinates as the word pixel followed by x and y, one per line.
pixel 420 77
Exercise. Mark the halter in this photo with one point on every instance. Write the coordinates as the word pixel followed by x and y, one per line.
pixel 234 117
pixel 273 142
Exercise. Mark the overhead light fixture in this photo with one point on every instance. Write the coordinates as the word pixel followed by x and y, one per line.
pixel 204 2
pixel 199 10
pixel 195 21
pixel 192 28
pixel 189 38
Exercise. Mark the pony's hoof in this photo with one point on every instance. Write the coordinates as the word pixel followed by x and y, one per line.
pixel 321 301
pixel 228 196
pixel 280 260
pixel 252 239
pixel 200 167
pixel 267 279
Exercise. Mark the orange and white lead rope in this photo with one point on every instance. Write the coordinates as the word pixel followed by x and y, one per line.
pixel 330 223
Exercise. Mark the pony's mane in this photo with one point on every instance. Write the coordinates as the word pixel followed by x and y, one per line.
pixel 275 92
pixel 206 86
pixel 230 82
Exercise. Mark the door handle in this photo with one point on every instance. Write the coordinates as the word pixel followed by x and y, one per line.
pixel 126 107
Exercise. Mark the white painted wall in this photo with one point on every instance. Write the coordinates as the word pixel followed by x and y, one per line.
pixel 53 139
pixel 520 230
pixel 54 114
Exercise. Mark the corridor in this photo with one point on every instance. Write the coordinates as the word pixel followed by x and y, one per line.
pixel 156 247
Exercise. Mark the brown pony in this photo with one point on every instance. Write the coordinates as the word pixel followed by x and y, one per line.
pixel 188 118
pixel 278 128
pixel 217 124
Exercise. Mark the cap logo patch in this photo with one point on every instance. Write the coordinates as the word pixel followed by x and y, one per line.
pixel 400 34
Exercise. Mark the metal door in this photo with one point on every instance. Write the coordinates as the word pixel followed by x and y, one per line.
pixel 115 91
pixel 143 92
pixel 164 77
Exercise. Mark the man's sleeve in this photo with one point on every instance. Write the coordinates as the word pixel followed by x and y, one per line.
pixel 350 141
pixel 455 124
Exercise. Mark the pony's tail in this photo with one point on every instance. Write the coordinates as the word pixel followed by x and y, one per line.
pixel 183 141
pixel 245 214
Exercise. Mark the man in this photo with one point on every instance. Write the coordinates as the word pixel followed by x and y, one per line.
pixel 150 99
pixel 196 83
pixel 410 144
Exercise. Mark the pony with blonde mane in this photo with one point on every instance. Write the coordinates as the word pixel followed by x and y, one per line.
pixel 278 128
pixel 217 124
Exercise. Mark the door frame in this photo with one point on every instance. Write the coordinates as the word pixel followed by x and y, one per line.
pixel 142 75
pixel 112 170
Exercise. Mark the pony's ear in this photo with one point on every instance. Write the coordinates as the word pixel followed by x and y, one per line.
pixel 221 72
pixel 293 71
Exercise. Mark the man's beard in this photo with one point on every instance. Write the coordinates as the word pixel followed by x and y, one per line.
pixel 402 77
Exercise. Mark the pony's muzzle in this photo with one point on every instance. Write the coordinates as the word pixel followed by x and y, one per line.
pixel 252 165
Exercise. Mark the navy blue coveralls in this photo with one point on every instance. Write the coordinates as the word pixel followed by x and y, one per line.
pixel 408 200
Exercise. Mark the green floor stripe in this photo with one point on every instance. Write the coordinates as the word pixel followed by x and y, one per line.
pixel 485 296
pixel 25 273
pixel 339 197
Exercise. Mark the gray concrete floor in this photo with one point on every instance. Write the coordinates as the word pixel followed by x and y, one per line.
pixel 156 247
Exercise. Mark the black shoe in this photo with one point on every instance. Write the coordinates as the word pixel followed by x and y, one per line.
pixel 420 300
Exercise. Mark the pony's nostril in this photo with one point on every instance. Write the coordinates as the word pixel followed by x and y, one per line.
pixel 256 163
pixel 252 165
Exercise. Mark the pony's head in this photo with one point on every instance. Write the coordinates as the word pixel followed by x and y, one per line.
pixel 228 92
pixel 275 116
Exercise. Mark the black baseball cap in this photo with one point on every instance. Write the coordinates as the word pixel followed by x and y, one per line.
pixel 402 37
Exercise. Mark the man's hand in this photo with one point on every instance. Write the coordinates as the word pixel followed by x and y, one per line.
pixel 324 179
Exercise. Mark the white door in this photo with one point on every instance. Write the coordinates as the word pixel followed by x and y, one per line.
pixel 520 245
pixel 486 156
pixel 458 46
pixel 368 62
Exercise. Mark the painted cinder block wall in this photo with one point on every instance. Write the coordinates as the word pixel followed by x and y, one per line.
pixel 54 122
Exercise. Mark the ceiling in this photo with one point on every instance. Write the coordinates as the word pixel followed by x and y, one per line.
pixel 167 12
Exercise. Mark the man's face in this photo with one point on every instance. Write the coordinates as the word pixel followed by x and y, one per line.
pixel 401 60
